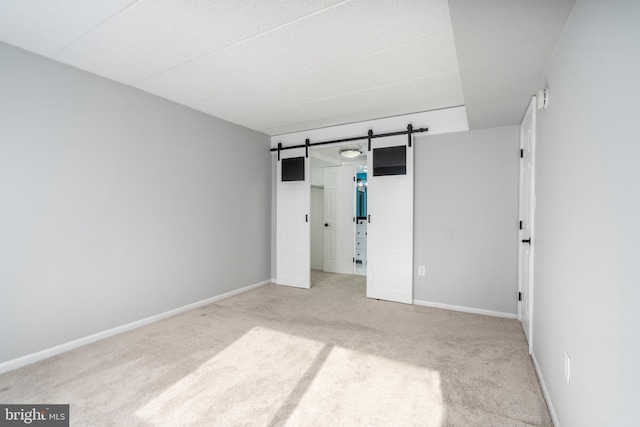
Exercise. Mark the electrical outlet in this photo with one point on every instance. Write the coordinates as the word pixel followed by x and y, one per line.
pixel 567 367
pixel 421 270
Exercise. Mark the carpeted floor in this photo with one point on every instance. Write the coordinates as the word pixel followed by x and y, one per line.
pixel 327 356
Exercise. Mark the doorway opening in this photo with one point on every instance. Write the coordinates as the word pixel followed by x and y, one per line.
pixel 387 256
pixel 361 220
pixel 339 209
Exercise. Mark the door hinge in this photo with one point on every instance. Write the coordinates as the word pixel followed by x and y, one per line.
pixel 354 179
pixel 354 260
pixel 521 153
pixel 306 218
pixel 519 296
pixel 520 225
pixel 369 219
pixel 354 219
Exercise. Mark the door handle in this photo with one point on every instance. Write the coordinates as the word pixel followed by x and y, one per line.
pixel 326 224
pixel 526 240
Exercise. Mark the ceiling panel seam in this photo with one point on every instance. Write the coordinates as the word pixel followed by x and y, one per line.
pixel 306 125
pixel 333 64
pixel 239 42
pixel 348 93
pixel 84 34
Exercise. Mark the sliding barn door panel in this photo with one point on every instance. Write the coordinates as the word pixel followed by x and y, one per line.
pixel 293 238
pixel 390 230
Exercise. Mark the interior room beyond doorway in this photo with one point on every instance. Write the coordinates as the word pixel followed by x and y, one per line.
pixel 339 208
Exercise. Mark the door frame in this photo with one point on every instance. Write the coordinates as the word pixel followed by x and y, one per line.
pixel 361 160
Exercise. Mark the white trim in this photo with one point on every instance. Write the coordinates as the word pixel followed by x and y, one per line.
pixel 52 351
pixel 545 392
pixel 466 309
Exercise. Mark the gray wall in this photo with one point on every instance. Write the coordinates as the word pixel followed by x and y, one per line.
pixel 466 218
pixel 117 205
pixel 587 262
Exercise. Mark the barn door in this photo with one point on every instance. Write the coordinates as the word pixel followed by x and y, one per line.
pixel 293 237
pixel 390 219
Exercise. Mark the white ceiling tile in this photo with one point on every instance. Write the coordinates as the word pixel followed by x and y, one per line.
pixel 359 116
pixel 271 65
pixel 406 62
pixel 337 34
pixel 430 93
pixel 155 35
pixel 283 65
pixel 43 26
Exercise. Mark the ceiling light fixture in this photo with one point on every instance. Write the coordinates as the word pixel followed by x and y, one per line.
pixel 350 153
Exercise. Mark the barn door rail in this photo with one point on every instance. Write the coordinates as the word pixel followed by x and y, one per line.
pixel 410 130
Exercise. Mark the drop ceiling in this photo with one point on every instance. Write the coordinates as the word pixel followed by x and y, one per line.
pixel 275 66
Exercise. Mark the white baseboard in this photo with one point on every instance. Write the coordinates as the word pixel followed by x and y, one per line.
pixel 465 309
pixel 545 392
pixel 52 351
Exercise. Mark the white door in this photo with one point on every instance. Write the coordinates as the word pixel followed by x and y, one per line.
pixel 293 231
pixel 339 219
pixel 390 220
pixel 527 208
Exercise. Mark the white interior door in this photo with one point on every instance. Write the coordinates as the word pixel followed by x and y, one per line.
pixel 390 220
pixel 293 201
pixel 316 221
pixel 527 209
pixel 339 219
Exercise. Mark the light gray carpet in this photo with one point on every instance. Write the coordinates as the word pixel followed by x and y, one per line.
pixel 284 356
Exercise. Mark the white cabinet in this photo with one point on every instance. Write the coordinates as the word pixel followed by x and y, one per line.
pixel 361 241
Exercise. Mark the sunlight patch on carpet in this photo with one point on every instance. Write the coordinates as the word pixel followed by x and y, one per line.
pixel 370 390
pixel 275 378
pixel 261 367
